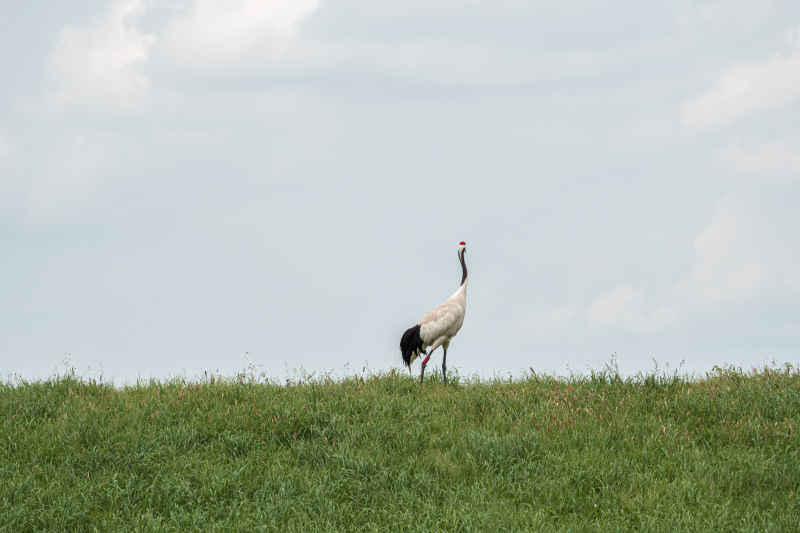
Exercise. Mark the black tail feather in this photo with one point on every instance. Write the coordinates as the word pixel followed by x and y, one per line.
pixel 410 344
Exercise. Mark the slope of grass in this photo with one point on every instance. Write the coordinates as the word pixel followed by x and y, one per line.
pixel 383 453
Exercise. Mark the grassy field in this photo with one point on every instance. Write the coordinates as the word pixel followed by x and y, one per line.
pixel 592 453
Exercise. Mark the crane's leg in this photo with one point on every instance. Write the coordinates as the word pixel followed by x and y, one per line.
pixel 439 342
pixel 444 364
pixel 424 364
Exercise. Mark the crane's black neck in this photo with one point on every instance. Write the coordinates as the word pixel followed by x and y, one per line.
pixel 463 265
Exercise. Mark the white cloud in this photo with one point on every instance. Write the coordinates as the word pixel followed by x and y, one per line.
pixel 251 33
pixel 732 264
pixel 101 63
pixel 107 60
pixel 727 260
pixel 745 89
pixel 778 159
pixel 739 257
pixel 622 306
pixel 744 253
pixel 221 32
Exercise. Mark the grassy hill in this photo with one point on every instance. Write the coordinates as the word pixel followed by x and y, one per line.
pixel 383 453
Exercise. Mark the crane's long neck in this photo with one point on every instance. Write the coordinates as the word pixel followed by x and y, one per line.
pixel 463 267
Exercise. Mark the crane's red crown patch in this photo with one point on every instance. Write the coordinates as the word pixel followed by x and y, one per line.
pixel 462 243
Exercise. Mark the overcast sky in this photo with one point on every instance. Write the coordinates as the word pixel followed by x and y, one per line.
pixel 194 185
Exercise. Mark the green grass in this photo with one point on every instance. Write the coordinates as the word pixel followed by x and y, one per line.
pixel 592 453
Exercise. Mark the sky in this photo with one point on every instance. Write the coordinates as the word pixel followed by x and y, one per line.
pixel 280 186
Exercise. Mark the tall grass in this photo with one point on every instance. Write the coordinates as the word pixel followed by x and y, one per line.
pixel 590 453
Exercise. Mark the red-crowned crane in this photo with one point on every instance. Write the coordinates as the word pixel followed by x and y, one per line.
pixel 438 327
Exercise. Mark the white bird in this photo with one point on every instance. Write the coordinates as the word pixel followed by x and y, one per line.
pixel 438 327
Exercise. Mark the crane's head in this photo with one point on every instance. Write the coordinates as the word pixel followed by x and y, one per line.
pixel 461 247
